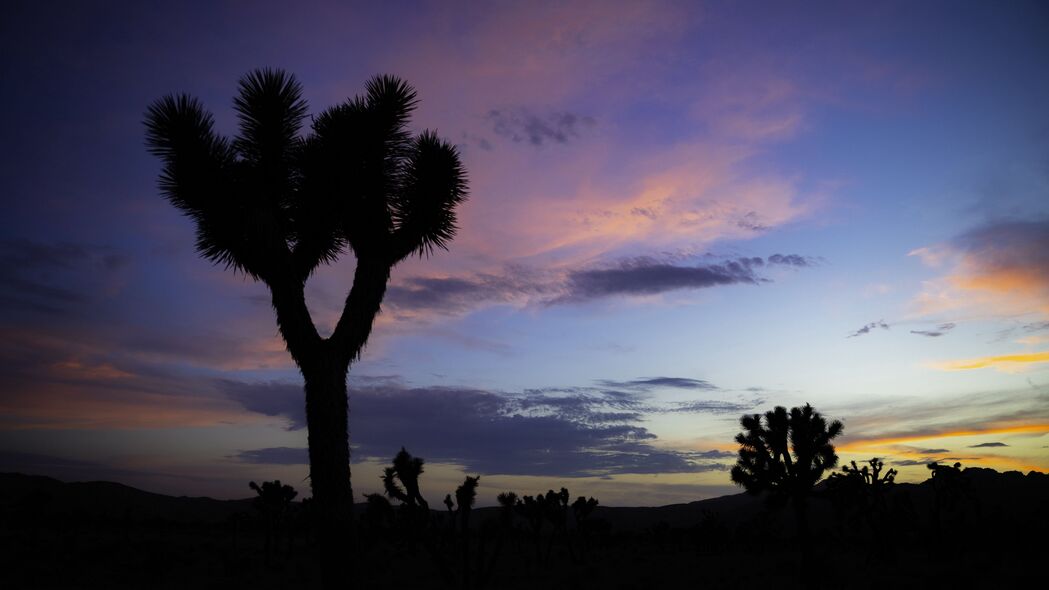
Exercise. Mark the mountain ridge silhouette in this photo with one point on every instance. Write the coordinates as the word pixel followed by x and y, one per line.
pixel 1003 493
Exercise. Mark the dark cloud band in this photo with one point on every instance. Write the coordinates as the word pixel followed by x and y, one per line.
pixel 643 275
pixel 522 125
pixel 567 432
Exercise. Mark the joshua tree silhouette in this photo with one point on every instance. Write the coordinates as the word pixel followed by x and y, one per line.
pixel 869 475
pixel 273 501
pixel 950 489
pixel 275 205
pixel 407 470
pixel 786 455
pixel 860 493
pixel 582 508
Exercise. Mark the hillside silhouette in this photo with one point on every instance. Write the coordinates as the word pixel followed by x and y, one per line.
pixel 94 534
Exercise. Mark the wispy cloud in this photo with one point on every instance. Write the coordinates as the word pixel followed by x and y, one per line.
pixel 859 444
pixel 868 327
pixel 274 456
pixel 928 426
pixel 925 451
pixel 936 333
pixel 647 276
pixel 55 278
pixel 715 407
pixel 791 260
pixel 518 285
pixel 649 383
pixel 521 125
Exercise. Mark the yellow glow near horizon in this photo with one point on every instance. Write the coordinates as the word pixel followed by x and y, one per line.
pixel 994 361
pixel 856 445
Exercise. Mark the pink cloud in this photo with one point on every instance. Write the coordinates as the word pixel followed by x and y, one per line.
pixel 1000 269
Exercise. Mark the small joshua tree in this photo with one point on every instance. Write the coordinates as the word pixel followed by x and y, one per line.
pixel 405 469
pixel 865 486
pixel 950 489
pixel 533 510
pixel 582 508
pixel 273 501
pixel 862 491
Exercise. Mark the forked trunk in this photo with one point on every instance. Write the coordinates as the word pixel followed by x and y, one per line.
pixel 324 365
pixel 326 419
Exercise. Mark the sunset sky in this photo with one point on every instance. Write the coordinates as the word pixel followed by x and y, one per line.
pixel 679 212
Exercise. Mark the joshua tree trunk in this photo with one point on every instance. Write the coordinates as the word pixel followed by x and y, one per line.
pixel 324 364
pixel 326 419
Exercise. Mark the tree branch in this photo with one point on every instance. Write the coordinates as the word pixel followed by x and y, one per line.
pixel 362 305
pixel 295 323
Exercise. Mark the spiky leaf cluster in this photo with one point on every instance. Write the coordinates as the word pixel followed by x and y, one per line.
pixel 274 203
pixel 272 497
pixel 787 452
pixel 405 471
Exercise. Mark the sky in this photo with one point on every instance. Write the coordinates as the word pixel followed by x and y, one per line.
pixel 679 213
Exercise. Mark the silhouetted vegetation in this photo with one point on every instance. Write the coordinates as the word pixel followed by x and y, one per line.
pixel 274 503
pixel 861 498
pixel 274 205
pixel 953 502
pixel 58 535
pixel 464 553
pixel 786 455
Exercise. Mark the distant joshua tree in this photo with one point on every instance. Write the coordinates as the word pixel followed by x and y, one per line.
pixel 861 493
pixel 864 486
pixel 581 509
pixel 786 454
pixel 275 205
pixel 273 501
pixel 950 489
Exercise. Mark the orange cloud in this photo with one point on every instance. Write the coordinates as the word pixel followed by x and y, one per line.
pixel 1001 362
pixel 683 198
pixel 99 372
pixel 70 407
pixel 998 269
pixel 886 441
pixel 92 389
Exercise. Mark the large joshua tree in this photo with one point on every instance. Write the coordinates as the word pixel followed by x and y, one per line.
pixel 274 204
pixel 786 454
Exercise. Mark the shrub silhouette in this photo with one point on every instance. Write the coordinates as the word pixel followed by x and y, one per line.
pixel 406 470
pixel 275 205
pixel 951 493
pixel 378 513
pixel 863 488
pixel 273 501
pixel 533 510
pixel 581 509
pixel 861 495
pixel 458 561
pixel 465 495
pixel 552 507
pixel 786 455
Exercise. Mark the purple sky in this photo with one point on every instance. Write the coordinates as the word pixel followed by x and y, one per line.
pixel 680 212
